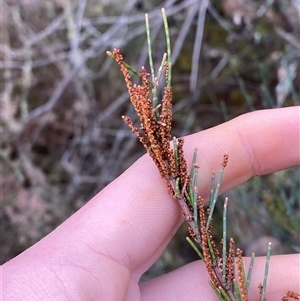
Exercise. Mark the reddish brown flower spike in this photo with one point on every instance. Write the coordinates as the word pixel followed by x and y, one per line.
pixel 290 295
pixel 225 160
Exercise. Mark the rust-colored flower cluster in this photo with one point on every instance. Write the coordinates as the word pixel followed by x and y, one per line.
pixel 290 295
pixel 154 133
pixel 155 129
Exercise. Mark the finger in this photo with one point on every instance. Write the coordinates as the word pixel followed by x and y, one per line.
pixel 258 143
pixel 141 214
pixel 132 219
pixel 136 212
pixel 191 281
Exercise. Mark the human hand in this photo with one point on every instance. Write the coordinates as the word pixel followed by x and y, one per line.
pixel 102 250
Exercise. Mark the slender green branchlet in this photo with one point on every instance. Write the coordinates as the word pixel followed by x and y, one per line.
pixel 224 264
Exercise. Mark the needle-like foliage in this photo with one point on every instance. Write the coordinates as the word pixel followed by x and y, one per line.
pixel 225 268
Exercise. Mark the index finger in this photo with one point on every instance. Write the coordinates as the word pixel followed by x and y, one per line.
pixel 132 220
pixel 138 214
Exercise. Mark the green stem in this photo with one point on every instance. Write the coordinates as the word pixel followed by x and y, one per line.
pixel 168 45
pixel 195 248
pixel 128 67
pixel 224 241
pixel 266 273
pixel 250 271
pixel 215 197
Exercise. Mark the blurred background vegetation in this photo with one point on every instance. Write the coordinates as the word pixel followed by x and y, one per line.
pixel 62 136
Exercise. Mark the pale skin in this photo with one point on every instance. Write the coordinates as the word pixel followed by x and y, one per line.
pixel 102 250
